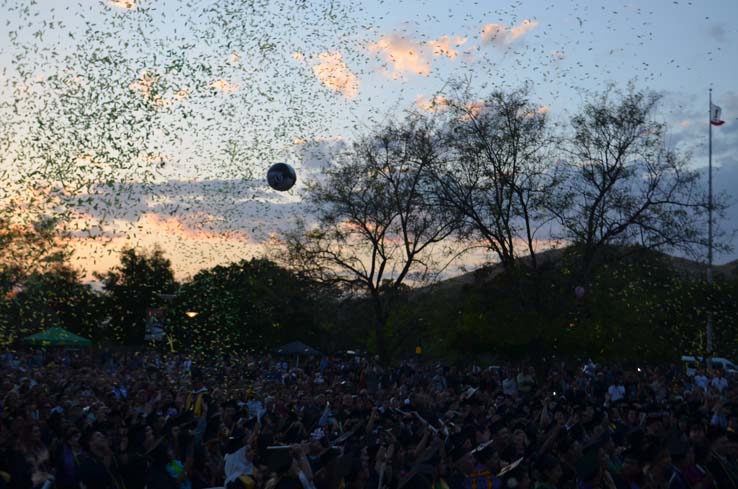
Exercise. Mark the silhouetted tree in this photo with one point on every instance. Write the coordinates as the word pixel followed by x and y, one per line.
pixel 378 219
pixel 132 288
pixel 497 171
pixel 624 185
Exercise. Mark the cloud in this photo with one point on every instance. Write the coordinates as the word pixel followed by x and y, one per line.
pixel 318 153
pixel 473 109
pixel 223 85
pixel 198 225
pixel 436 103
pixel 333 72
pixel 446 46
pixel 124 4
pixel 405 55
pixel 502 35
pixel 234 58
pixel 145 83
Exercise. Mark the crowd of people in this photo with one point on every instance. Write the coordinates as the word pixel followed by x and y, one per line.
pixel 149 420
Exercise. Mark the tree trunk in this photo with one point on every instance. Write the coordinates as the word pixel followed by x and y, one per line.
pixel 381 316
pixel 379 331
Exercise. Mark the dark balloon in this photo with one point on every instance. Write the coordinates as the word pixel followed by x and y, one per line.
pixel 281 176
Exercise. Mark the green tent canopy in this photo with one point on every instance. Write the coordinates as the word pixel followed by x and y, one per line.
pixel 56 337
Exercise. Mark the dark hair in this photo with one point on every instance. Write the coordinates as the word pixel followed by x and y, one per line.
pixel 84 440
pixel 159 455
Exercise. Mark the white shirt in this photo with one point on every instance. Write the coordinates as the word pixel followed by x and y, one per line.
pixel 509 387
pixel 236 464
pixel 617 392
pixel 701 381
pixel 720 383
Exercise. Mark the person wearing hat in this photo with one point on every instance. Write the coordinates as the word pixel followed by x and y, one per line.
pixel 228 419
pixel 289 469
pixel 98 467
pixel 195 400
pixel 239 467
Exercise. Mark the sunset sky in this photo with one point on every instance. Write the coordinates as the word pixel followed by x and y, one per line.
pixel 318 86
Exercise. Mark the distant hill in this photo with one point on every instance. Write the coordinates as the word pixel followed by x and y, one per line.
pixel 483 274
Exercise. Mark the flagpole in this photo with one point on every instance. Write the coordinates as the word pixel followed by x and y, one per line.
pixel 709 230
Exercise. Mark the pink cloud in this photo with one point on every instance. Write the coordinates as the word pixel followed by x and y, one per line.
pixel 224 86
pixel 405 55
pixel 436 103
pixel 124 4
pixel 446 46
pixel 333 72
pixel 502 35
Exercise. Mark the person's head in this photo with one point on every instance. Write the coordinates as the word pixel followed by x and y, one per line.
pixel 503 436
pixel 587 414
pixel 36 433
pixel 697 434
pixel 559 416
pixel 95 442
pixel 490 458
pixel 229 410
pixel 483 435
pixel 570 449
pixel 520 439
pixel 72 436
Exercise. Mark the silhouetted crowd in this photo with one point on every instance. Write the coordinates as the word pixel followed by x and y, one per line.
pixel 134 420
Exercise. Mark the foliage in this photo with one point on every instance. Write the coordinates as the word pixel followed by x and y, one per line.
pixel 498 170
pixel 29 247
pixel 132 288
pixel 377 219
pixel 642 307
pixel 251 304
pixel 624 185
pixel 52 298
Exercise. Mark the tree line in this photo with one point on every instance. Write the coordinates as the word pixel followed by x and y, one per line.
pixel 400 205
pixel 495 173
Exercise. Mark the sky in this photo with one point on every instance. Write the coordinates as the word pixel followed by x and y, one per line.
pixel 296 82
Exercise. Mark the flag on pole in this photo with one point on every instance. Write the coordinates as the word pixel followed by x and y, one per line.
pixel 715 113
